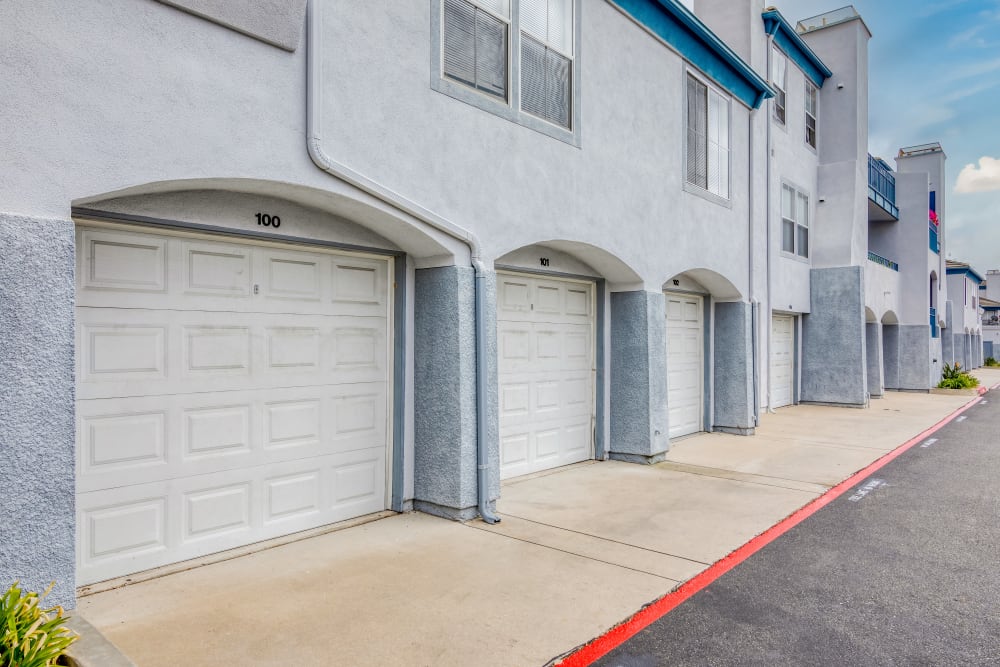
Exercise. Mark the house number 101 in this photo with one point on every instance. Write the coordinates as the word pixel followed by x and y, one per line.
pixel 268 220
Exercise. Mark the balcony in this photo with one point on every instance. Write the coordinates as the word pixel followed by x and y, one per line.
pixel 932 234
pixel 879 259
pixel 881 191
pixel 934 326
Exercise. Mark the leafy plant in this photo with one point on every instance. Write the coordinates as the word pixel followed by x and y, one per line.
pixel 29 635
pixel 953 377
pixel 991 362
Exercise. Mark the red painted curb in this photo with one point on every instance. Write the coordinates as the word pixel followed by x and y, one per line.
pixel 616 636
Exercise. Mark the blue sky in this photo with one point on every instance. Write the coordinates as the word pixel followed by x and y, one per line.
pixel 935 76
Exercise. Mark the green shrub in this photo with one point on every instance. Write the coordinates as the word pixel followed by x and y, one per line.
pixel 990 361
pixel 953 377
pixel 29 635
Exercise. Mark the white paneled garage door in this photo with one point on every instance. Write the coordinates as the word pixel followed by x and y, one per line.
pixel 546 367
pixel 227 393
pixel 685 363
pixel 782 360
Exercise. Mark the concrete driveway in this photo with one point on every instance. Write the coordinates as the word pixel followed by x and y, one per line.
pixel 578 550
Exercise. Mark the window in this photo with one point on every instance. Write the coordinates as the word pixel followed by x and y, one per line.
pixel 778 70
pixel 478 36
pixel 794 221
pixel 707 138
pixel 475 44
pixel 811 110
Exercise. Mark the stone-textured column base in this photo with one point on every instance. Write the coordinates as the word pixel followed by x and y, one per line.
pixel 834 370
pixel 638 376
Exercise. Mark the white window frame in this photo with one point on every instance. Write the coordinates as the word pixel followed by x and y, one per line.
pixel 778 57
pixel 797 225
pixel 812 93
pixel 510 109
pixel 689 186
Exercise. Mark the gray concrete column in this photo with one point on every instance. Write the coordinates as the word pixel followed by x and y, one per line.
pixel 947 347
pixel 966 351
pixel 833 339
pixel 37 432
pixel 638 377
pixel 873 353
pixel 733 376
pixel 444 392
pixel 914 357
pixel 890 356
pixel 978 349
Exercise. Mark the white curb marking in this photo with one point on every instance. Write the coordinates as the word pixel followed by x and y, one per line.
pixel 869 486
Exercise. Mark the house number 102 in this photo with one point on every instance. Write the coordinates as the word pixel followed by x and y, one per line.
pixel 268 220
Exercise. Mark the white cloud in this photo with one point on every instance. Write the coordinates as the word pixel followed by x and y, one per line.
pixel 984 179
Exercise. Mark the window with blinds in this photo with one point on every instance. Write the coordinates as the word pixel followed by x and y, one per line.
pixel 475 44
pixel 707 146
pixel 546 59
pixel 478 35
pixel 778 73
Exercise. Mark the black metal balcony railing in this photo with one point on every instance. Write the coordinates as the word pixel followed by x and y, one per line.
pixel 882 185
pixel 879 259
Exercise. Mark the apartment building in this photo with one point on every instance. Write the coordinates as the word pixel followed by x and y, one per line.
pixel 268 269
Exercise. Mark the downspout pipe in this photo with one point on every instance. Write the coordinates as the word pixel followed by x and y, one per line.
pixel 754 305
pixel 344 173
pixel 767 215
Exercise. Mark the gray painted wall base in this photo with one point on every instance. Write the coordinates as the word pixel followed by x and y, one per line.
pixel 464 514
pixel 833 339
pixel 890 355
pixel 873 352
pixel 638 458
pixel 37 430
pixel 947 347
pixel 914 356
pixel 638 375
pixel 733 381
pixel 733 430
pixel 444 391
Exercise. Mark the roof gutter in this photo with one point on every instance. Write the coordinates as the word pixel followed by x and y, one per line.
pixel 368 185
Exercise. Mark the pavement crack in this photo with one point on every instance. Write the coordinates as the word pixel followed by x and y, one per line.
pixel 596 537
pixel 578 555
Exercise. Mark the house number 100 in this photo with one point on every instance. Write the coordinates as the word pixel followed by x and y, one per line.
pixel 268 220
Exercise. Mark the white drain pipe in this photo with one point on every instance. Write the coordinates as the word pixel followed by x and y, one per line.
pixel 366 184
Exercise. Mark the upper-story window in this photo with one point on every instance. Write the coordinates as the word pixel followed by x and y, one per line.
pixel 707 143
pixel 478 36
pixel 779 68
pixel 794 221
pixel 812 95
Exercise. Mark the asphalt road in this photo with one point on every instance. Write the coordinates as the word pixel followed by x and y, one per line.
pixel 904 569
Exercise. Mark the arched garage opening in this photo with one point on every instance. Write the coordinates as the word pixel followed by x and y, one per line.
pixel 552 353
pixel 241 346
pixel 710 355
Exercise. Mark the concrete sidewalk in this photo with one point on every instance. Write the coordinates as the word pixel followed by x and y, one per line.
pixel 579 549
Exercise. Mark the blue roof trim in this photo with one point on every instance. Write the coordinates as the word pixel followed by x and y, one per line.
pixel 956 270
pixel 789 41
pixel 677 26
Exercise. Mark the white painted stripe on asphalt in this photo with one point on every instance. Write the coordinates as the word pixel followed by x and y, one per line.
pixel 928 442
pixel 960 419
pixel 867 488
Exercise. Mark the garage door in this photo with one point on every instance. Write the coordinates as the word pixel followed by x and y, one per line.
pixel 227 393
pixel 546 368
pixel 685 364
pixel 782 360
